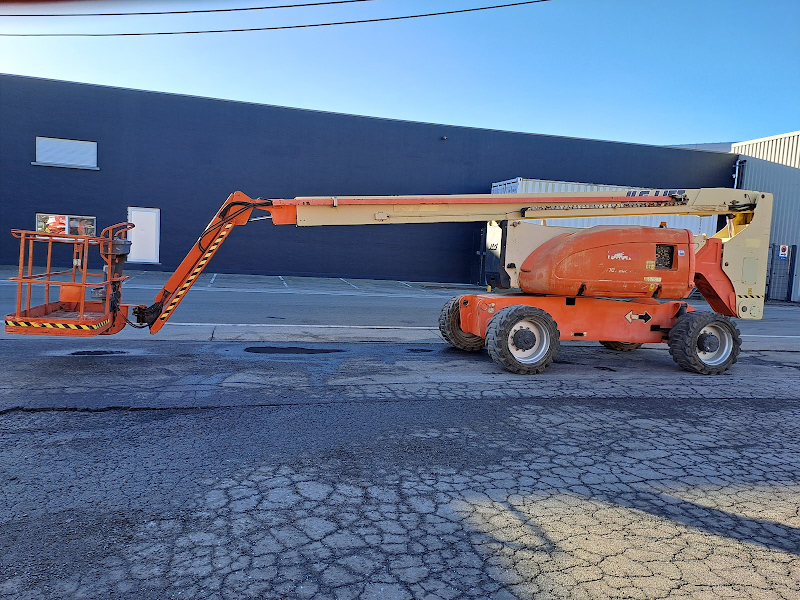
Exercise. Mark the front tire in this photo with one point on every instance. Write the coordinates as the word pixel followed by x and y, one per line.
pixel 522 339
pixel 705 342
pixel 450 327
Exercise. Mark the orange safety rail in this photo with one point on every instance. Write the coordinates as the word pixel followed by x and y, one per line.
pixel 70 313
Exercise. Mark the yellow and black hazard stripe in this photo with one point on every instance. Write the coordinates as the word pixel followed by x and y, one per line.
pixel 58 325
pixel 749 296
pixel 196 272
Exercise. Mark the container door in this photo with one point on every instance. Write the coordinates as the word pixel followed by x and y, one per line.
pixel 781 270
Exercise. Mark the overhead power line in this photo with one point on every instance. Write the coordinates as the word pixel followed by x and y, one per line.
pixel 279 27
pixel 187 12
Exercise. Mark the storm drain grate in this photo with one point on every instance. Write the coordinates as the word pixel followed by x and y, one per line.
pixel 98 352
pixel 290 350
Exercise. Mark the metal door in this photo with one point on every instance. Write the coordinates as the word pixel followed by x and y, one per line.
pixel 780 272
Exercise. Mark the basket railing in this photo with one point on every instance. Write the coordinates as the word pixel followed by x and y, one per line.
pixel 72 283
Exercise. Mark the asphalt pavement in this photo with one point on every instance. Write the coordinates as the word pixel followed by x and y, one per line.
pixel 296 438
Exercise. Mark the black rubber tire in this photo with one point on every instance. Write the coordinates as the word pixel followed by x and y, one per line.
pixel 450 327
pixel 501 346
pixel 685 343
pixel 621 346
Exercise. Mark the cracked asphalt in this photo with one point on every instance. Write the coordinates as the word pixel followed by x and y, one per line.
pixel 199 470
pixel 147 468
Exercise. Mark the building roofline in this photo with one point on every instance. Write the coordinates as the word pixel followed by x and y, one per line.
pixel 768 138
pixel 340 114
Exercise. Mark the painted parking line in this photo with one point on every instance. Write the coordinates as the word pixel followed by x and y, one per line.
pixel 358 292
pixel 286 325
pixel 786 337
pixel 348 283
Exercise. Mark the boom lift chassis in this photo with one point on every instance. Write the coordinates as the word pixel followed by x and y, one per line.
pixel 620 308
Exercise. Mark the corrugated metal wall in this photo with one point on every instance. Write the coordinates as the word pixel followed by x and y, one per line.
pixel 783 149
pixel 784 183
pixel 519 185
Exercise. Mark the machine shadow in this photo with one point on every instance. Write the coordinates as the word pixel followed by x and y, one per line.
pixel 762 532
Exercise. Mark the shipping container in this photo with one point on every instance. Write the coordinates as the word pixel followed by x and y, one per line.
pixel 519 185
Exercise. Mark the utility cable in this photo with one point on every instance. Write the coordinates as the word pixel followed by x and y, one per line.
pixel 279 27
pixel 186 12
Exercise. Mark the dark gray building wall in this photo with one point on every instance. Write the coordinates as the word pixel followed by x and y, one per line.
pixel 184 155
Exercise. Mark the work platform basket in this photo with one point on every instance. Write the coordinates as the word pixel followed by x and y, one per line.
pixel 71 302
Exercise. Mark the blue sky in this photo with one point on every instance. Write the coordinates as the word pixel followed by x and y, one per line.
pixel 654 72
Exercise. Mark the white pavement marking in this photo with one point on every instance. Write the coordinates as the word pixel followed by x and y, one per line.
pixel 304 292
pixel 348 283
pixel 283 281
pixel 789 337
pixel 286 325
pixel 213 278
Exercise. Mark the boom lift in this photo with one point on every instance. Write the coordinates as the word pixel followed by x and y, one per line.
pixel 603 283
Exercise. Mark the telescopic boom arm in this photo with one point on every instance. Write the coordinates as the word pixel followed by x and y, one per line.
pixel 235 211
pixel 739 205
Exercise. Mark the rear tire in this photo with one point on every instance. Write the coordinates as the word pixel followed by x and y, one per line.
pixel 621 346
pixel 705 342
pixel 522 339
pixel 450 327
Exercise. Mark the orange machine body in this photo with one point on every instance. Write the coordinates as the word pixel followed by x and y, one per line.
pixel 642 321
pixel 608 261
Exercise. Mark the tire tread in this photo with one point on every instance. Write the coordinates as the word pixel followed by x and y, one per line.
pixel 497 336
pixel 682 342
pixel 450 328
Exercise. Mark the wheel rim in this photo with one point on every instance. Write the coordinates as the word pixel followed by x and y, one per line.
pixel 718 356
pixel 539 349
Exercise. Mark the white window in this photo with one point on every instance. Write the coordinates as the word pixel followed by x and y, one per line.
pixel 74 154
pixel 146 236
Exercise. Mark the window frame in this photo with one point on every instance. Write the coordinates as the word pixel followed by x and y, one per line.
pixel 43 163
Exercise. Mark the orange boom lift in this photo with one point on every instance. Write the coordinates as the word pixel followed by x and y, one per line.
pixel 622 286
